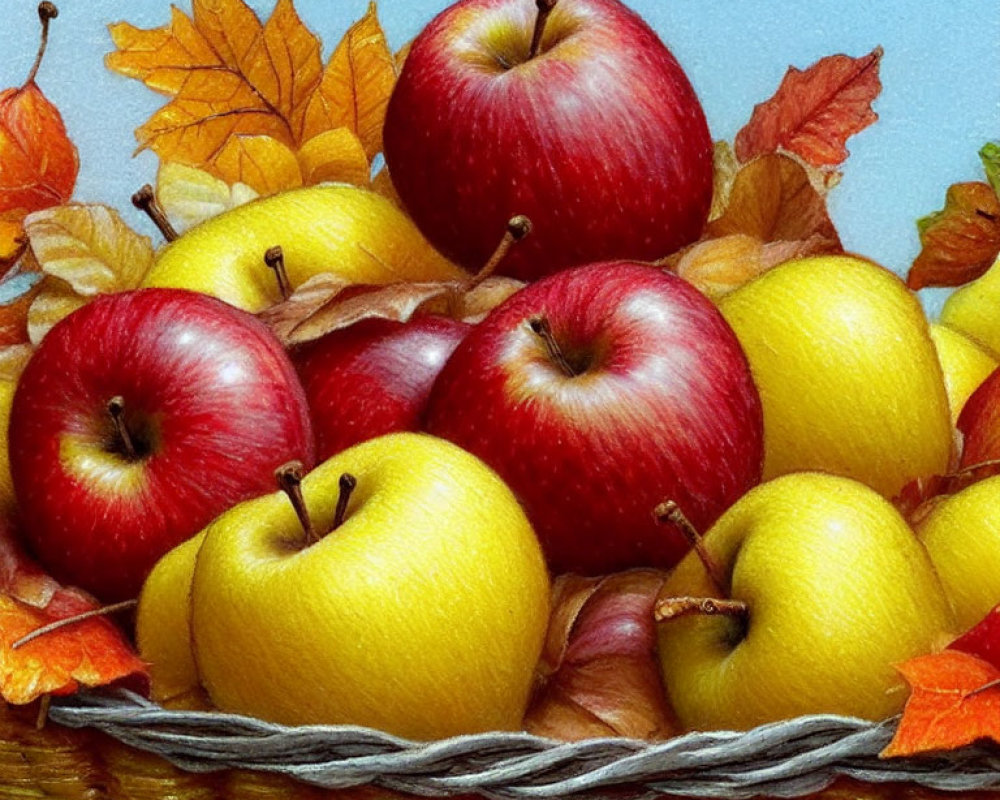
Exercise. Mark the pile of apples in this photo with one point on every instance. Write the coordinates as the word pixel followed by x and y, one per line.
pixel 363 530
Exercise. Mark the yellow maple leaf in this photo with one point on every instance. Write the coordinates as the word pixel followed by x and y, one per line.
pixel 335 156
pixel 84 251
pixel 262 163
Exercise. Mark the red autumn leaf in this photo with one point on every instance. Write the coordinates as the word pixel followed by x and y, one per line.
pixel 815 110
pixel 960 242
pixel 954 701
pixel 983 639
pixel 599 674
pixel 89 653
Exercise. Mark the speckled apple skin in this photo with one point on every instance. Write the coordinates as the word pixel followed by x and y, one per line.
pixel 600 140
pixel 219 396
pixel 666 409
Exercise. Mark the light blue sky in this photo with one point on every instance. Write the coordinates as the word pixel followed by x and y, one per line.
pixel 940 100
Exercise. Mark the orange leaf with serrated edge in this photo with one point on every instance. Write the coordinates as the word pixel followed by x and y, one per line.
pixel 815 110
pixel 356 85
pixel 954 701
pixel 89 653
pixel 960 242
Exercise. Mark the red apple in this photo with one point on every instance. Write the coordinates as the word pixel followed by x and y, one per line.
pixel 373 377
pixel 980 423
pixel 596 393
pixel 140 418
pixel 599 138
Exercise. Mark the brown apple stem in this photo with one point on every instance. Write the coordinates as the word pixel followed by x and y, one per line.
pixel 544 9
pixel 669 513
pixel 348 483
pixel 46 13
pixel 675 607
pixel 116 410
pixel 517 228
pixel 541 328
pixel 289 478
pixel 103 611
pixel 145 200
pixel 44 703
pixel 275 260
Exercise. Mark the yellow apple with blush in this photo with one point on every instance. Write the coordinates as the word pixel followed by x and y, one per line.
pixel 965 363
pixel 848 375
pixel 972 308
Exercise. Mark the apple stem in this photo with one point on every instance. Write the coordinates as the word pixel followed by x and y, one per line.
pixel 540 327
pixel 669 513
pixel 348 483
pixel 103 611
pixel 676 607
pixel 289 478
pixel 517 228
pixel 544 9
pixel 46 13
pixel 44 703
pixel 116 410
pixel 275 260
pixel 145 200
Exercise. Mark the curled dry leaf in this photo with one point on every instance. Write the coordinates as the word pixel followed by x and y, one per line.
pixel 83 250
pixel 189 195
pixel 90 653
pixel 919 497
pixel 725 165
pixel 18 290
pixel 815 111
pixel 599 674
pixel 960 242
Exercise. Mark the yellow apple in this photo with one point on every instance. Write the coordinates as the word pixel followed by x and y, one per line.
pixel 422 614
pixel 972 308
pixel 837 591
pixel 962 535
pixel 965 363
pixel 848 376
pixel 163 629
pixel 352 232
pixel 7 388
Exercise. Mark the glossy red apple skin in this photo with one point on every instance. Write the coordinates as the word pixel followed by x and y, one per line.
pixel 373 377
pixel 209 393
pixel 979 423
pixel 666 409
pixel 600 140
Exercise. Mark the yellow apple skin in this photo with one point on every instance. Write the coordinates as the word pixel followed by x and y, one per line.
pixel 848 376
pixel 351 232
pixel 6 484
pixel 972 308
pixel 163 629
pixel 962 535
pixel 423 614
pixel 839 590
pixel 965 364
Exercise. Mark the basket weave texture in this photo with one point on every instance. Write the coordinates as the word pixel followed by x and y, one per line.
pixel 794 758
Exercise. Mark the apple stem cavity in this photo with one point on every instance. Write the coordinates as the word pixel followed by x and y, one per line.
pixel 145 201
pixel 275 260
pixel 540 327
pixel 544 9
pixel 124 440
pixel 348 483
pixel 676 607
pixel 46 13
pixel 289 478
pixel 51 627
pixel 669 513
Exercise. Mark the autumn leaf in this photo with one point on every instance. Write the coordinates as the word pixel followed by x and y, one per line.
pixel 725 166
pixel 84 251
pixel 189 195
pixel 960 242
pixel 954 701
pixel 89 653
pixel 17 291
pixel 815 111
pixel 599 674
pixel 264 164
pixel 335 156
pixel 917 498
pixel 773 200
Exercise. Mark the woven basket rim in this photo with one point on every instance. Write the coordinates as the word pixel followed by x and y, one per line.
pixel 791 758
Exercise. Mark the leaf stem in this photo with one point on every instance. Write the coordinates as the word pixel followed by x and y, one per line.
pixel 67 621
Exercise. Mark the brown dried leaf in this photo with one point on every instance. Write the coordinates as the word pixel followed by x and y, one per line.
pixel 725 166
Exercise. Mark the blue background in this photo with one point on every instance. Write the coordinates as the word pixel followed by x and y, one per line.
pixel 940 100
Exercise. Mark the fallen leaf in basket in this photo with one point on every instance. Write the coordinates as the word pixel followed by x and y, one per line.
pixel 84 251
pixel 599 674
pixel 725 166
pixel 918 497
pixel 90 653
pixel 954 701
pixel 983 639
pixel 718 266
pixel 815 111
pixel 773 199
pixel 189 195
pixel 960 242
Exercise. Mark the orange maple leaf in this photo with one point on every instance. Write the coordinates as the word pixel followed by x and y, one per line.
pixel 88 653
pixel 815 110
pixel 954 701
